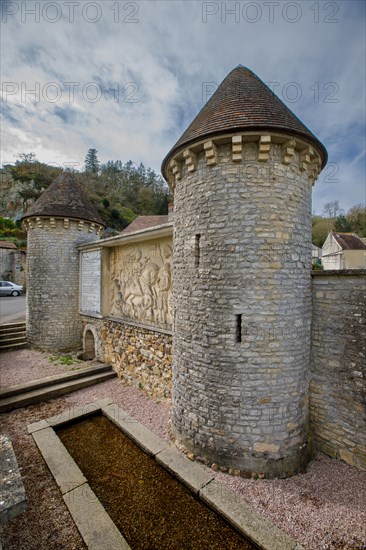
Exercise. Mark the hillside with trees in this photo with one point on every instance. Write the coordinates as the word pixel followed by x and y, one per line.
pixel 335 219
pixel 119 191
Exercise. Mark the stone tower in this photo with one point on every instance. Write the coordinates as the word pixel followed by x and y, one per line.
pixel 242 176
pixel 60 220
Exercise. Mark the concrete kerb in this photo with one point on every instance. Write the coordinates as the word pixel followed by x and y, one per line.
pixel 84 411
pixel 95 526
pixel 143 437
pixel 66 416
pixel 36 426
pixel 65 471
pixel 190 473
pixel 87 511
pixel 247 520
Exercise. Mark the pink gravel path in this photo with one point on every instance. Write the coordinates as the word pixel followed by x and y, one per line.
pixel 26 365
pixel 323 509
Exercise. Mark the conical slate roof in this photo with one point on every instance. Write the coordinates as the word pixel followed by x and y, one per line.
pixel 243 102
pixel 64 198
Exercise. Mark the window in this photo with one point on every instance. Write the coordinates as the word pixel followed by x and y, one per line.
pixel 197 250
pixel 238 329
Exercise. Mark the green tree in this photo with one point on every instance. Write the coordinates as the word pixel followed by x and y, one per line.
pixel 356 217
pixel 342 224
pixel 129 189
pixel 321 229
pixel 10 231
pixel 92 164
pixel 29 169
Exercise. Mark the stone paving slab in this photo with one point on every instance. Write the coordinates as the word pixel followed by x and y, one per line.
pixel 67 474
pixel 148 441
pixel 73 413
pixel 104 402
pixel 95 526
pixel 13 500
pixel 192 474
pixel 36 426
pixel 247 520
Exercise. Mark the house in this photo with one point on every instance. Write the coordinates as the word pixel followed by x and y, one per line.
pixel 12 263
pixel 316 254
pixel 343 251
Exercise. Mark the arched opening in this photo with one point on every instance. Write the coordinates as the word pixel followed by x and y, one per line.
pixel 89 346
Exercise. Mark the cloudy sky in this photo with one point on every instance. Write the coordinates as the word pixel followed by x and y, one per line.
pixel 128 77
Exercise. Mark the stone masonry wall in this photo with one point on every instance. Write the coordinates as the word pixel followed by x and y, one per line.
pixel 6 264
pixel 97 327
pixel 242 305
pixel 13 266
pixel 141 356
pixel 53 319
pixel 338 365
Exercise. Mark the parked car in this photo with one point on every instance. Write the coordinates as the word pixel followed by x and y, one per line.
pixel 7 288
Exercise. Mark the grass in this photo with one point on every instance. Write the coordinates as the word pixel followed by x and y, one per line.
pixel 63 360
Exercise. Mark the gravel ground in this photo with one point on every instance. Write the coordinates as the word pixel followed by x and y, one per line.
pixel 25 365
pixel 323 509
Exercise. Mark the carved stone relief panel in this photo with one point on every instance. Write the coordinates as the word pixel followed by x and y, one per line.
pixel 141 283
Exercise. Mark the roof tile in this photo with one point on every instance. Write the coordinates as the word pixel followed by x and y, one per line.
pixel 243 102
pixel 349 241
pixel 8 244
pixel 144 222
pixel 64 198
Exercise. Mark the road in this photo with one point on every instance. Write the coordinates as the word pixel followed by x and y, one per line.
pixel 12 309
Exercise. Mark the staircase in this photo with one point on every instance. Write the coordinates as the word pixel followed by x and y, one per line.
pixel 29 393
pixel 12 336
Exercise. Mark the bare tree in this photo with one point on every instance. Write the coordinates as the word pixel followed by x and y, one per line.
pixel 332 209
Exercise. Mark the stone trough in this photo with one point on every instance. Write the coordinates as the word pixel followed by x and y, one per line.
pixel 95 525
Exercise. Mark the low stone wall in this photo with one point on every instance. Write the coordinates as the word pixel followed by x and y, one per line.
pixel 337 389
pixel 142 356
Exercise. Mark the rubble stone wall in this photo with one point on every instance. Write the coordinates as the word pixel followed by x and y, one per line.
pixel 141 355
pixel 338 365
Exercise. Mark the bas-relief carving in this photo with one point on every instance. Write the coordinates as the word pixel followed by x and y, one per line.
pixel 141 283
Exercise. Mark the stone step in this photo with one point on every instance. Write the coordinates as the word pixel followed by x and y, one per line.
pixel 13 336
pixel 16 338
pixel 9 332
pixel 12 326
pixel 11 347
pixel 50 392
pixel 61 378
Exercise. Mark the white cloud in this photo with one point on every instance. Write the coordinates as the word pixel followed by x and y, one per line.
pixel 167 55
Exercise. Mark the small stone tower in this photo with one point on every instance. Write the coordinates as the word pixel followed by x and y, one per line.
pixel 242 176
pixel 60 220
